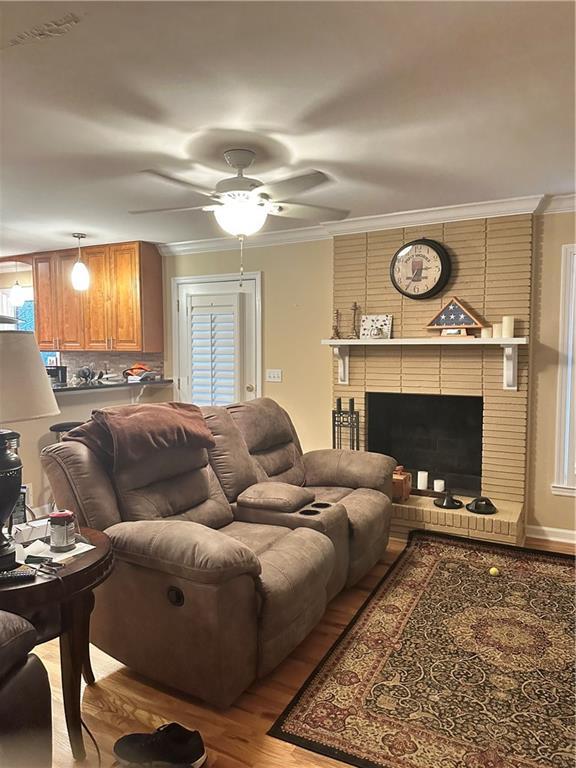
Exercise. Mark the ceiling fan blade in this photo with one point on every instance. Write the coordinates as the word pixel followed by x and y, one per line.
pixel 174 210
pixel 294 185
pixel 181 182
pixel 313 212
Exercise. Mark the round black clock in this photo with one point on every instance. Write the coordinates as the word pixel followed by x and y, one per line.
pixel 420 269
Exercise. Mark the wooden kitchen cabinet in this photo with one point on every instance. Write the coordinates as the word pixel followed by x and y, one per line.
pixel 125 306
pixel 45 320
pixel 122 310
pixel 124 302
pixel 96 302
pixel 69 304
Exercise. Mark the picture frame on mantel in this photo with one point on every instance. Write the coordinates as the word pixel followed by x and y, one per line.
pixel 376 327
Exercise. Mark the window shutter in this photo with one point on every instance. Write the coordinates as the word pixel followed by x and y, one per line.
pixel 214 353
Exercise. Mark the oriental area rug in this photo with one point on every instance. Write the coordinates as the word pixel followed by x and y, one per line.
pixel 448 666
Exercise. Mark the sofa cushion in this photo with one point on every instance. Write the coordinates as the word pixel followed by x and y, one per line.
pixel 295 573
pixel 256 536
pixel 195 495
pixel 17 638
pixel 369 514
pixel 331 493
pixel 280 497
pixel 271 439
pixel 230 458
pixel 158 463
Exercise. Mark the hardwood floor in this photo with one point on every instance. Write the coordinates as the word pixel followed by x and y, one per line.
pixel 122 702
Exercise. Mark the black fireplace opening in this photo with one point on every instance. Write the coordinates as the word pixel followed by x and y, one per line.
pixel 441 434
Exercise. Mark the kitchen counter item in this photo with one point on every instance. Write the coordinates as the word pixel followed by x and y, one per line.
pixel 96 386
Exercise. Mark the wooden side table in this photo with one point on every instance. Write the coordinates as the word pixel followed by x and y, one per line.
pixel 70 593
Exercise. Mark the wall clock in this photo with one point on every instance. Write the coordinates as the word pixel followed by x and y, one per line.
pixel 420 269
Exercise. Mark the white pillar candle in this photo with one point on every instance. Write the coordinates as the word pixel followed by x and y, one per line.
pixel 422 481
pixel 497 330
pixel 508 326
pixel 439 485
pixel 486 333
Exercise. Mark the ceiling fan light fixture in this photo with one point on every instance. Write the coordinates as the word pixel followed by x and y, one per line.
pixel 241 214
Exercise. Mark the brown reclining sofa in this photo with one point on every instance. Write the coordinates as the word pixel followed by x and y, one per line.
pixel 225 555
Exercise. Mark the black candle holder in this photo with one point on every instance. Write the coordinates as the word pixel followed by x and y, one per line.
pixel 346 420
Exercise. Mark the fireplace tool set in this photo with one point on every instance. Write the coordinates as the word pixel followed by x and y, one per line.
pixel 342 420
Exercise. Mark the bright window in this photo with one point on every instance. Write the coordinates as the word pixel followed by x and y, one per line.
pixel 565 480
pixel 24 313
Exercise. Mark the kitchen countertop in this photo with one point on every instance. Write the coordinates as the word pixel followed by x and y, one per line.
pixel 97 386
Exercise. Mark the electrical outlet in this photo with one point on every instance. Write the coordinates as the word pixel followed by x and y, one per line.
pixel 274 374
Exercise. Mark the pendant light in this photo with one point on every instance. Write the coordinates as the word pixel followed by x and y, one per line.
pixel 80 276
pixel 17 297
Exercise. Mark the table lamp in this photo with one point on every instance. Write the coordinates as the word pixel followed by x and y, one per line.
pixel 25 393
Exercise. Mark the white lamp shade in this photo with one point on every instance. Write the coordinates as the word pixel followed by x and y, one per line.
pixel 17 295
pixel 241 216
pixel 80 277
pixel 25 389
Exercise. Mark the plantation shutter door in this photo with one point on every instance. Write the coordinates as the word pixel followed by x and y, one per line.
pixel 214 323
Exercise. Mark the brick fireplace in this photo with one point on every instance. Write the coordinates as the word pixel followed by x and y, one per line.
pixel 492 269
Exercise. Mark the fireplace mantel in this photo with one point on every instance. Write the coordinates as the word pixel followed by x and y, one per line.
pixel 341 350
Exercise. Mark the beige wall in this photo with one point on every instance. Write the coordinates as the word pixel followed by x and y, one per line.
pixel 24 277
pixel 296 314
pixel 544 508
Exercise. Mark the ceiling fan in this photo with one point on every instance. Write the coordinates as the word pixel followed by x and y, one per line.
pixel 241 204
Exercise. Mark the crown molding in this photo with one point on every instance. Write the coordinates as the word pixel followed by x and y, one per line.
pixel 558 204
pixel 541 204
pixel 508 207
pixel 262 240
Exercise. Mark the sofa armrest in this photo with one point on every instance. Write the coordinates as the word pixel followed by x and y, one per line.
pixel 183 548
pixel 80 482
pixel 350 469
pixel 275 497
pixel 17 638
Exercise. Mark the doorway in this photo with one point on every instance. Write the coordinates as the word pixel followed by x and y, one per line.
pixel 217 338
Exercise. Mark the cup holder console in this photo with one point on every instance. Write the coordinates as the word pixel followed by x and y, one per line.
pixel 315 508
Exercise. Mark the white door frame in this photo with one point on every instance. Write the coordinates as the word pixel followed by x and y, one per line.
pixel 220 278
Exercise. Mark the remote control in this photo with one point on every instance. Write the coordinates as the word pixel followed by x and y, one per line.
pixel 18 574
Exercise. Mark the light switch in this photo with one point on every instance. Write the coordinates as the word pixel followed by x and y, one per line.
pixel 274 374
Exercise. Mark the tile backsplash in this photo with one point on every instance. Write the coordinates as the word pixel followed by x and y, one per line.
pixel 109 362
